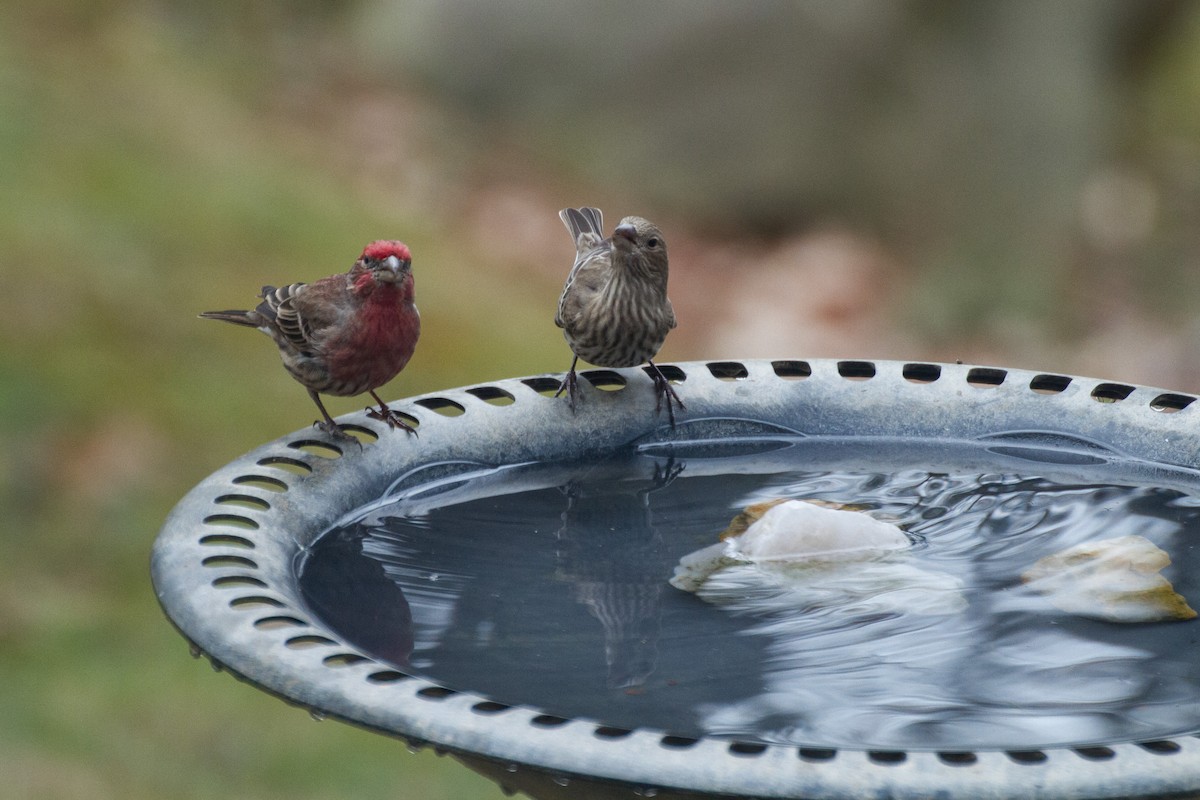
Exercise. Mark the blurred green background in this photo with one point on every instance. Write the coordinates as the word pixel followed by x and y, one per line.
pixel 1014 183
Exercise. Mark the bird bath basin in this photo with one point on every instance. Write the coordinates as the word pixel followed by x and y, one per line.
pixel 498 587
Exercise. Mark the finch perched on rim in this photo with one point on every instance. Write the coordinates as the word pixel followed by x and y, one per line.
pixel 614 310
pixel 345 334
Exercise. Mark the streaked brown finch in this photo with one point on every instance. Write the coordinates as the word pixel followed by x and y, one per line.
pixel 614 310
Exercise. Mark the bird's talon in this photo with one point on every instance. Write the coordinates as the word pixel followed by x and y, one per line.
pixel 570 384
pixel 336 432
pixel 664 393
pixel 393 419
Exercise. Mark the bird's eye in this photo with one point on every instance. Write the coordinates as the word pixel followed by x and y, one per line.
pixel 652 242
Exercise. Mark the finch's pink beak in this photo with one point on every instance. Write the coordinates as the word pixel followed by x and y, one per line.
pixel 626 232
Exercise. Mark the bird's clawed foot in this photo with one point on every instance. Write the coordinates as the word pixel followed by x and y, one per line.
pixel 394 419
pixel 570 385
pixel 664 393
pixel 331 428
pixel 335 432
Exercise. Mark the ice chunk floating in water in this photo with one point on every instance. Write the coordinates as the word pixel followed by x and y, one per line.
pixel 1119 580
pixel 802 555
pixel 781 532
pixel 546 585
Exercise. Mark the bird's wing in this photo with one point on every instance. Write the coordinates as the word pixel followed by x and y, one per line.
pixel 286 312
pixel 586 279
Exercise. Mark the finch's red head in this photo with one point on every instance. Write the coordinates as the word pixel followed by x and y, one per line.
pixel 380 250
pixel 384 261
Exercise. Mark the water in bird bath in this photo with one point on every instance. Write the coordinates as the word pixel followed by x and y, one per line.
pixel 546 585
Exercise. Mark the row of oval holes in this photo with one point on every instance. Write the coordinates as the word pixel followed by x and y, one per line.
pixel 980 377
pixel 608 380
pixel 812 754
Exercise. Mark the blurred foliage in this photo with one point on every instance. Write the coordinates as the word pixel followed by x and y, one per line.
pixel 142 179
pixel 967 136
pixel 1039 162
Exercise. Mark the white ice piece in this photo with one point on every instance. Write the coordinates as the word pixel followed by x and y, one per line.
pixel 798 554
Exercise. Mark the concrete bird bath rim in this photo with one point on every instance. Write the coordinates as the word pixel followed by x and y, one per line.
pixel 225 564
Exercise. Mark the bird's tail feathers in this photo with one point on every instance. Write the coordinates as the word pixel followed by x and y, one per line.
pixel 584 222
pixel 248 318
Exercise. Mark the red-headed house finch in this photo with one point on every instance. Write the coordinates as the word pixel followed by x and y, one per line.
pixel 345 334
pixel 614 310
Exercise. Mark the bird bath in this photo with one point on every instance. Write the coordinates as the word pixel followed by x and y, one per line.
pixel 498 587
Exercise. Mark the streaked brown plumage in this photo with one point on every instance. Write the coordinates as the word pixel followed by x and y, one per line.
pixel 614 310
pixel 345 334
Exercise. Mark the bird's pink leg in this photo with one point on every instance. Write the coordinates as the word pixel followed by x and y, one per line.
pixel 394 419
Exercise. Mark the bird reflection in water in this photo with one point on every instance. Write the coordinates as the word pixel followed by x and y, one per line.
pixel 357 596
pixel 609 550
